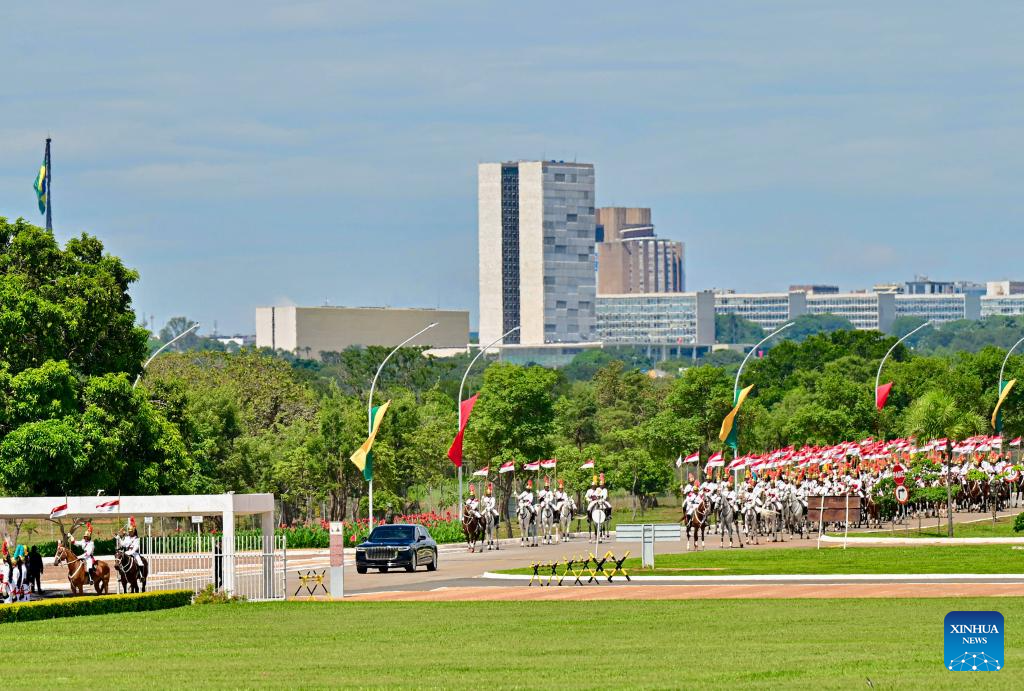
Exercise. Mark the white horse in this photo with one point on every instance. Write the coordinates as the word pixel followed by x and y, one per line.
pixel 526 523
pixel 490 530
pixel 727 519
pixel 565 514
pixel 598 519
pixel 547 521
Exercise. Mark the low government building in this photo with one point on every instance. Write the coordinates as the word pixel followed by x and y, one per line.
pixel 309 331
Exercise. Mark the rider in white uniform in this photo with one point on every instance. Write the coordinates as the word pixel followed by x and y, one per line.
pixel 561 498
pixel 525 498
pixel 602 496
pixel 545 496
pixel 472 503
pixel 489 503
pixel 591 495
pixel 88 548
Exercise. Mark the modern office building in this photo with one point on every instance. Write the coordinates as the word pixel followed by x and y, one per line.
pixel 922 285
pixel 997 288
pixel 767 310
pixel 536 239
pixel 656 319
pixel 939 308
pixel 1011 305
pixel 864 310
pixel 814 289
pixel 310 331
pixel 631 259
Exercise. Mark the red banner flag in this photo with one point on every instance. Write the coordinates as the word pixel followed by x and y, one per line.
pixel 455 450
pixel 882 395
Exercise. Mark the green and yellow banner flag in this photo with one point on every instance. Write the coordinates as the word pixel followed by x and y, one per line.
pixel 728 433
pixel 40 187
pixel 363 458
pixel 1004 391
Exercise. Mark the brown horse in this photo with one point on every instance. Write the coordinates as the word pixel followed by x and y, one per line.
pixel 77 576
pixel 698 522
pixel 130 573
pixel 473 527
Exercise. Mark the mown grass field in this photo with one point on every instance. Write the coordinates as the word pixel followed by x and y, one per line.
pixel 978 559
pixel 1002 528
pixel 736 644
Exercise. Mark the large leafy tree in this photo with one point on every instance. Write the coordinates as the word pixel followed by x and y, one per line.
pixel 70 421
pixel 936 415
pixel 68 304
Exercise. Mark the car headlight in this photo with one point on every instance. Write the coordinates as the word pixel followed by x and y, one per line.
pixel 360 549
pixel 404 549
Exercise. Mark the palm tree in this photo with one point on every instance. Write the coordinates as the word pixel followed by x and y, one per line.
pixel 936 415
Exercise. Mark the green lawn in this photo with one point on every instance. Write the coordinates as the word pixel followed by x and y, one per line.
pixel 834 560
pixel 756 644
pixel 1002 528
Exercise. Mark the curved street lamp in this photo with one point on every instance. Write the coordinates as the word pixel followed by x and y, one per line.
pixel 736 387
pixel 1002 369
pixel 162 349
pixel 458 404
pixel 739 372
pixel 369 405
pixel 878 376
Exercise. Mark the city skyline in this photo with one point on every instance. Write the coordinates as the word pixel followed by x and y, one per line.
pixel 801 144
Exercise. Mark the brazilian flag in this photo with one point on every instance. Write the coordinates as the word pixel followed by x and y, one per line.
pixel 40 187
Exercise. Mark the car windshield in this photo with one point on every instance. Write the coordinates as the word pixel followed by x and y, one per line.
pixel 393 532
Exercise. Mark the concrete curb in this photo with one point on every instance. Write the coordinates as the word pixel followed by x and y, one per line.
pixel 801 578
pixel 923 541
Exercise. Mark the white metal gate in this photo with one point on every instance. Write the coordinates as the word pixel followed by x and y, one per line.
pixel 255 569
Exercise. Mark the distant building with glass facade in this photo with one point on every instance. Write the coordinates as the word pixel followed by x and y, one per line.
pixel 657 319
pixel 536 236
pixel 767 310
pixel 939 308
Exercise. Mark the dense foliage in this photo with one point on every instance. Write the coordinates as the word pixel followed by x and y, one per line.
pixel 208 421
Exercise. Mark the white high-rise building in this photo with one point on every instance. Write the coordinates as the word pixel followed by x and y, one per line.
pixel 536 232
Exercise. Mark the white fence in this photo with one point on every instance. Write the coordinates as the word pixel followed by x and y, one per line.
pixel 255 569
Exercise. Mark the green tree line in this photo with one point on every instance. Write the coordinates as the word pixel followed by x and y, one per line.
pixel 210 421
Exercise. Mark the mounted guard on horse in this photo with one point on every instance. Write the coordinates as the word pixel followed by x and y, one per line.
pixel 472 520
pixel 527 515
pixel 86 569
pixel 599 509
pixel 132 567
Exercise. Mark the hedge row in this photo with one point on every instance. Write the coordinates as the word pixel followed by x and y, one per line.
pixel 97 604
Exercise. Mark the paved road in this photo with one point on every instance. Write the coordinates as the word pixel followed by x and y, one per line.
pixel 459 568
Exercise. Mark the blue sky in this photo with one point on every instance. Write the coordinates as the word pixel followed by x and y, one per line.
pixel 242 154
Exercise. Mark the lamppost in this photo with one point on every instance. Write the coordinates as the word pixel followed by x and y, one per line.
pixel 736 385
pixel 878 376
pixel 161 349
pixel 1002 369
pixel 458 404
pixel 369 404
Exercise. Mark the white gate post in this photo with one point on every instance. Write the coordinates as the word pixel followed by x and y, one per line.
pixel 268 554
pixel 228 543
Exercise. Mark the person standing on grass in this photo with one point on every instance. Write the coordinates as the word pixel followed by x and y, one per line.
pixel 35 571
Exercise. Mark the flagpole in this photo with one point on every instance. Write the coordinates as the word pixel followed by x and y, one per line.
pixel 369 409
pixel 49 189
pixel 458 403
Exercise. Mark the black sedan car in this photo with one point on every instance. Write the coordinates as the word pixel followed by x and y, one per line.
pixel 398 544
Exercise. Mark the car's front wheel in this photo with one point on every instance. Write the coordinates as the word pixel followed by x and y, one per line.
pixel 412 564
pixel 432 566
pixel 360 569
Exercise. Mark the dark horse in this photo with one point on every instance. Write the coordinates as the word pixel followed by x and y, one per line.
pixel 129 573
pixel 473 527
pixel 698 522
